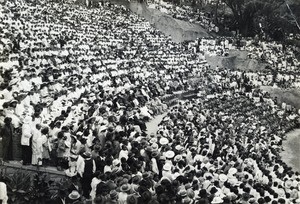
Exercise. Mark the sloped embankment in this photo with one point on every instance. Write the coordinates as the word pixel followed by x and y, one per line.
pixel 178 30
pixel 291 148
pixel 236 60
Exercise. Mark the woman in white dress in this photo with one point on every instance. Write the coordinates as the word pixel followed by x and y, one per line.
pixel 37 146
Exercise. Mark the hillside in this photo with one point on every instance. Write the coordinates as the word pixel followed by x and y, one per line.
pixel 236 60
pixel 179 30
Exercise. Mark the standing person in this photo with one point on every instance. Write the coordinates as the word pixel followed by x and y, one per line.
pixel 37 145
pixel 25 141
pixel 7 135
pixel 46 146
pixel 86 171
pixel 61 148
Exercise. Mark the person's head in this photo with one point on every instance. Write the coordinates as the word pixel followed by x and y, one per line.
pixel 114 195
pixel 38 126
pixel 124 147
pixel 14 103
pixel 60 135
pixel 202 193
pixel 58 124
pixel 45 131
pixel 146 196
pixel 7 121
pixel 74 196
pixel 98 200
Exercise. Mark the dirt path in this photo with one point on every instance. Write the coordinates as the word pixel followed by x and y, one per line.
pixel 152 126
pixel 291 146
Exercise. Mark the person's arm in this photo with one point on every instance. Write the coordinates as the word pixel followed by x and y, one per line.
pixel 94 166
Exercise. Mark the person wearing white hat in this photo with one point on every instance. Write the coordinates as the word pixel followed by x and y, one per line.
pixel 223 178
pixel 163 141
pixel 169 154
pixel 25 140
pixel 217 200
pixel 232 171
pixel 73 197
pixel 72 170
pixel 167 171
pixel 187 200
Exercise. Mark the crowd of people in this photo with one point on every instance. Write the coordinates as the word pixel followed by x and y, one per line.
pixel 281 59
pixel 186 13
pixel 63 68
pixel 280 65
pixel 78 86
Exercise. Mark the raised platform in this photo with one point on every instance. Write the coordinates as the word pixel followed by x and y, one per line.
pixel 11 166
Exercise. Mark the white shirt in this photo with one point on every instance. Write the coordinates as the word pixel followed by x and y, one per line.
pixel 123 153
pixel 25 85
pixel 26 134
pixel 19 110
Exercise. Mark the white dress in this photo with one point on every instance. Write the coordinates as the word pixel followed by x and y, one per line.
pixel 37 147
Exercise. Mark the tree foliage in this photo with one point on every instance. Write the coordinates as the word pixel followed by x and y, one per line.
pixel 248 13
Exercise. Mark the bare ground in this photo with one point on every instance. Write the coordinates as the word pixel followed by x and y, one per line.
pixel 152 125
pixel 291 146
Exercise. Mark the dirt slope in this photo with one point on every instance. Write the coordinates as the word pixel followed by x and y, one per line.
pixel 236 60
pixel 179 30
pixel 291 148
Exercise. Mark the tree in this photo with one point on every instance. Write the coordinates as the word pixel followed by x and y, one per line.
pixel 245 12
pixel 217 3
pixel 293 8
pixel 279 20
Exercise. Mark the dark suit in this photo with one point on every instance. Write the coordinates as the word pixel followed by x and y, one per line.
pixel 87 177
pixel 7 141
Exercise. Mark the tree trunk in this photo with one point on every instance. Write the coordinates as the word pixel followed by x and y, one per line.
pixel 216 11
pixel 246 26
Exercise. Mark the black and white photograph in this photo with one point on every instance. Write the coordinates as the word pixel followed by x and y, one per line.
pixel 149 102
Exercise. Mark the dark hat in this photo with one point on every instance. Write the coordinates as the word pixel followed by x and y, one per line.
pixel 127 176
pixel 146 196
pixel 146 175
pixel 113 195
pixel 155 154
pixel 136 179
pixel 111 185
pixel 132 199
pixel 7 120
pixel 281 200
pixel 125 188
pixel 202 193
